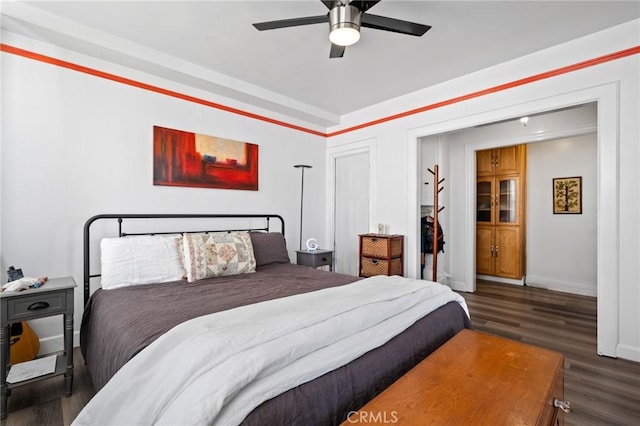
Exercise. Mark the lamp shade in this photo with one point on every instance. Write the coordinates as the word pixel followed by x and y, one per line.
pixel 344 36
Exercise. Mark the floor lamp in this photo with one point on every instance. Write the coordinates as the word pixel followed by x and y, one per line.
pixel 302 167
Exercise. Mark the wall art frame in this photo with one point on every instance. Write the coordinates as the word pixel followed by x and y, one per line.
pixel 182 158
pixel 567 195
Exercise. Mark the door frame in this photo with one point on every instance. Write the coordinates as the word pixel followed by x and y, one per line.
pixel 608 276
pixel 358 147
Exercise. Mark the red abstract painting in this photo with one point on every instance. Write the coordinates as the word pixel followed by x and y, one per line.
pixel 190 159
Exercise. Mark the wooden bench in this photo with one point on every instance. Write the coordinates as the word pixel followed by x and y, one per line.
pixel 474 379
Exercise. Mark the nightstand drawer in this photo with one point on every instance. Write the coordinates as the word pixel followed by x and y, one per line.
pixel 373 266
pixel 33 306
pixel 315 259
pixel 381 246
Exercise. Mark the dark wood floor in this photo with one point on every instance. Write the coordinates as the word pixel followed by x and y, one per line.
pixel 602 391
pixel 44 404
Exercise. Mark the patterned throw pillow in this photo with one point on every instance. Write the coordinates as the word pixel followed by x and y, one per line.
pixel 218 253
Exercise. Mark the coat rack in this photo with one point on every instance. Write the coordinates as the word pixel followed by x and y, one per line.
pixel 437 182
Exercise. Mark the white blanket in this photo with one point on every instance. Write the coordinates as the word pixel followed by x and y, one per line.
pixel 217 368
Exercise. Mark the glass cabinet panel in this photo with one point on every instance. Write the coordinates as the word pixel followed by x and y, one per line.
pixel 484 201
pixel 507 193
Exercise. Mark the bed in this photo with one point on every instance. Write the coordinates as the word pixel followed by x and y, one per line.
pixel 122 325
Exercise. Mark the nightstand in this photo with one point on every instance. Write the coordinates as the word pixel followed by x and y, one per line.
pixel 55 297
pixel 381 254
pixel 315 258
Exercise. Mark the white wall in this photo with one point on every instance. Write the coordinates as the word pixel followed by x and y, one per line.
pixel 613 84
pixel 561 249
pixel 74 145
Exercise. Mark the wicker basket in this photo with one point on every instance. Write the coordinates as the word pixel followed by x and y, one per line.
pixel 377 247
pixel 371 267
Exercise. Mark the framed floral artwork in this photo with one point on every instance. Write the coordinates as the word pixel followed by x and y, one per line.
pixel 567 195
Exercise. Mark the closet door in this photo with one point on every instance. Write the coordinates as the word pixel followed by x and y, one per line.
pixel 351 214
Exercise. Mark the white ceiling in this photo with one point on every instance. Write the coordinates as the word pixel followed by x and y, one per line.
pixel 212 45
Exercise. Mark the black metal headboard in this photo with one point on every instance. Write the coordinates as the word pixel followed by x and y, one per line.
pixel 120 218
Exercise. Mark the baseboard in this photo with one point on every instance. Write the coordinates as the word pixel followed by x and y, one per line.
pixel 53 344
pixel 583 289
pixel 632 353
pixel 500 279
pixel 458 285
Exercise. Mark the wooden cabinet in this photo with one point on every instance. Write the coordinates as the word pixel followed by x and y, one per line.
pixel 500 204
pixel 475 379
pixel 505 160
pixel 381 254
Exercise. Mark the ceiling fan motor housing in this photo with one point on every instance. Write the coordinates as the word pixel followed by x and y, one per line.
pixel 348 17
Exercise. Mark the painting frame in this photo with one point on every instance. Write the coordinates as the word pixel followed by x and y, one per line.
pixel 188 159
pixel 567 195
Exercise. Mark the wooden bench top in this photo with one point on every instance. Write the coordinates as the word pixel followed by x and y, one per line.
pixel 473 379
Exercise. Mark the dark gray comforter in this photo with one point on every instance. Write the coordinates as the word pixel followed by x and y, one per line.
pixel 119 323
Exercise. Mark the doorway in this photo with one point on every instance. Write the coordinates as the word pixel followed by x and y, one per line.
pixel 462 263
pixel 462 183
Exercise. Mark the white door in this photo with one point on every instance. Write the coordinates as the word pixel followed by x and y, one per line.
pixel 351 214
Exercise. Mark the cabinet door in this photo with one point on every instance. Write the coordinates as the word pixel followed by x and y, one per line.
pixel 507 200
pixel 507 252
pixel 485 162
pixel 508 159
pixel 484 250
pixel 485 201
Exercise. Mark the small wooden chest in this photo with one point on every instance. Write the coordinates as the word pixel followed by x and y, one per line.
pixel 474 379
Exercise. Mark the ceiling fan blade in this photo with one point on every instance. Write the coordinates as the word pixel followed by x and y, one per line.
pixel 394 25
pixel 293 22
pixel 363 6
pixel 330 3
pixel 336 51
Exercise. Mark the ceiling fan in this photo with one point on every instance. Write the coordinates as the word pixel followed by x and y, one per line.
pixel 345 19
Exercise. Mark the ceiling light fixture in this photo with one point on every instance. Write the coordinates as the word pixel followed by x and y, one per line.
pixel 344 25
pixel 524 121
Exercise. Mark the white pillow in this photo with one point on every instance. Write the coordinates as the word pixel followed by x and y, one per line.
pixel 143 259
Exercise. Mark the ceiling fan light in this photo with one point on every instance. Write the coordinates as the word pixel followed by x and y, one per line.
pixel 344 25
pixel 344 36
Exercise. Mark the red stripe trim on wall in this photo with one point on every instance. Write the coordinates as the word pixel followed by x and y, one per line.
pixel 521 82
pixel 498 88
pixel 151 88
